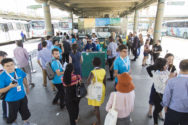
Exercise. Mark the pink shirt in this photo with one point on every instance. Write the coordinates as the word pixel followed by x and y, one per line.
pixel 124 103
pixel 21 56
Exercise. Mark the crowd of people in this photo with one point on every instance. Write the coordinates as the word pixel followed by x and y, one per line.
pixel 64 54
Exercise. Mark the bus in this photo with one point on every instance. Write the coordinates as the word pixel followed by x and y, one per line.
pixel 37 28
pixel 177 28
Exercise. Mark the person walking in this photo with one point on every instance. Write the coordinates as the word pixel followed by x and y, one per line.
pixel 175 98
pixel 40 44
pixel 157 49
pixel 111 52
pixel 171 68
pixel 49 42
pixel 146 53
pixel 22 59
pixel 58 69
pixel 125 97
pixel 67 50
pixel 121 63
pixel 44 56
pixel 76 59
pixel 135 46
pixel 141 42
pixel 160 78
pixel 70 81
pixel 99 75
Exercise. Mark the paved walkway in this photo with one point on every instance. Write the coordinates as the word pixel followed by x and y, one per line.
pixel 44 113
pixel 40 98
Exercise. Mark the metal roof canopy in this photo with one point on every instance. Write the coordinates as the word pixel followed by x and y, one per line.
pixel 99 8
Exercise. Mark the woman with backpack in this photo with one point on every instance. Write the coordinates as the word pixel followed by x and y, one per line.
pixel 70 81
pixel 97 76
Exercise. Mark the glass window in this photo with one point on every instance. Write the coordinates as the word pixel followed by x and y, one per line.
pixel 10 26
pixel 22 26
pixel 5 27
pixel 38 25
pixel 18 26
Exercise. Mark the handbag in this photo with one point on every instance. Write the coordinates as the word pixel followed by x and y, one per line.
pixel 81 90
pixel 112 116
pixel 95 90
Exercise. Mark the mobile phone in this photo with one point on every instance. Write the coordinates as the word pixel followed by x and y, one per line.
pixel 14 82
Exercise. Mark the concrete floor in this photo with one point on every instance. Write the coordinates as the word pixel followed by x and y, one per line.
pixel 40 98
pixel 44 113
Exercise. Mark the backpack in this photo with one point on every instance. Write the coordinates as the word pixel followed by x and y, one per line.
pixel 49 71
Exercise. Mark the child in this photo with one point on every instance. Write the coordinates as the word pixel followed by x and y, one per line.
pixel 125 96
pixel 146 53
pixel 100 74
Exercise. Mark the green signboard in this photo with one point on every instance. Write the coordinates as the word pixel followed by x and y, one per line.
pixel 87 65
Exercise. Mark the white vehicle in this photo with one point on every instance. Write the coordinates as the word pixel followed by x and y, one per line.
pixel 10 30
pixel 177 28
pixel 37 28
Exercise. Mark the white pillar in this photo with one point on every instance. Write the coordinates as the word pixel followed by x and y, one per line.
pixel 47 17
pixel 71 14
pixel 159 19
pixel 135 28
pixel 126 25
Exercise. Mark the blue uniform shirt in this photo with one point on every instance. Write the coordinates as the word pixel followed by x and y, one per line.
pixel 121 66
pixel 13 94
pixel 55 66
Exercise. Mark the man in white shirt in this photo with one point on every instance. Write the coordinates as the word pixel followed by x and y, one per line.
pixel 111 52
pixel 4 105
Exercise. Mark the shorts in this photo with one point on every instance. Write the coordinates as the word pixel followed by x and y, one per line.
pixel 146 54
pixel 20 106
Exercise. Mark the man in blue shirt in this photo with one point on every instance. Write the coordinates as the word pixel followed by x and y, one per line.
pixel 175 98
pixel 121 63
pixel 49 42
pixel 12 82
pixel 57 46
pixel 23 36
pixel 89 46
pixel 58 69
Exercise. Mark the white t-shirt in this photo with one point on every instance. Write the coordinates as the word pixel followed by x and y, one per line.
pixel 160 80
pixel 113 48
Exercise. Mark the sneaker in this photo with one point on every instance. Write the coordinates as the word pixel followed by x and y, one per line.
pixel 32 84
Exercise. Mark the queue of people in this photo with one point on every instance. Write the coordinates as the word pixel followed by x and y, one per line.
pixel 65 59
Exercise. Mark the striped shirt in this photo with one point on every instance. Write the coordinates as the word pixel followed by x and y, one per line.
pixel 75 79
